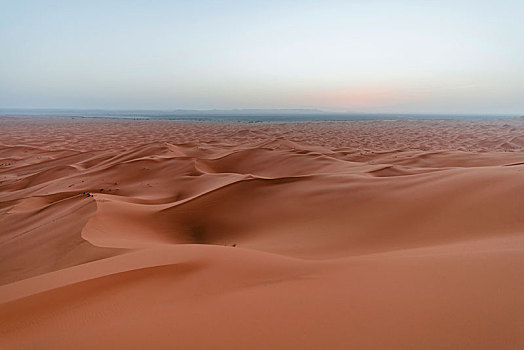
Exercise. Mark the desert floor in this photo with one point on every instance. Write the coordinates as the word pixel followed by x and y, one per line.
pixel 135 234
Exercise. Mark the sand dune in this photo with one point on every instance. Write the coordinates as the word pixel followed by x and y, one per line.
pixel 324 235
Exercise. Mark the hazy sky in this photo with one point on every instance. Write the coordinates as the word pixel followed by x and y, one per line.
pixel 363 56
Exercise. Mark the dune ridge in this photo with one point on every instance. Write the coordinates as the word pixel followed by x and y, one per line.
pixel 372 235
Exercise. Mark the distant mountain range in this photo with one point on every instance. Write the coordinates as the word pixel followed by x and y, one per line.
pixel 248 115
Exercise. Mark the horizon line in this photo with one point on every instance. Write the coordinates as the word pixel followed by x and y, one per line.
pixel 246 110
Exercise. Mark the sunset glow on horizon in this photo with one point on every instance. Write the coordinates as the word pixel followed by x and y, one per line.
pixel 356 56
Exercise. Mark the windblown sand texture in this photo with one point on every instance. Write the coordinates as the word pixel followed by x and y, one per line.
pixel 321 235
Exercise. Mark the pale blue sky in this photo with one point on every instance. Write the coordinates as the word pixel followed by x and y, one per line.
pixel 363 56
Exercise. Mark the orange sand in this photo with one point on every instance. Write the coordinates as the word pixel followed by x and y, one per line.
pixel 343 235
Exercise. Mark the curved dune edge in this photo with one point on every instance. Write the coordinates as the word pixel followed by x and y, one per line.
pixel 197 256
pixel 200 257
pixel 219 289
pixel 314 235
pixel 119 223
